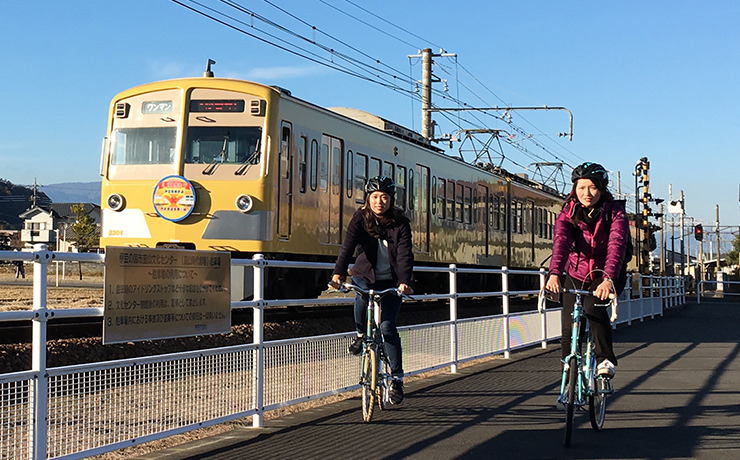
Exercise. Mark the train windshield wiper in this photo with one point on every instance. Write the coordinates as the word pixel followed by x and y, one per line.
pixel 217 159
pixel 250 160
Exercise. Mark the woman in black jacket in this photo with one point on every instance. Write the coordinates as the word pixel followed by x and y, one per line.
pixel 382 236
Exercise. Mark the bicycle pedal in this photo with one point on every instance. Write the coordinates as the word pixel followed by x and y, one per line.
pixel 604 385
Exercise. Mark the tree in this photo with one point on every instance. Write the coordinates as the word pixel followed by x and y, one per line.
pixel 732 256
pixel 86 231
pixel 87 234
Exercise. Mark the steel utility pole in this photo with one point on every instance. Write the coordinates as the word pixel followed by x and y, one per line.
pixel 427 78
pixel 718 252
pixel 682 233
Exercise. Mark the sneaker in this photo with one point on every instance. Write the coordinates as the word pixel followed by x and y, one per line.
pixel 355 348
pixel 396 391
pixel 605 369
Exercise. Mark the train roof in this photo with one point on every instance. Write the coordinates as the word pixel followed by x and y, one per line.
pixel 382 124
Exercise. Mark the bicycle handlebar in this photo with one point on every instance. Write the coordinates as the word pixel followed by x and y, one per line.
pixel 612 299
pixel 346 287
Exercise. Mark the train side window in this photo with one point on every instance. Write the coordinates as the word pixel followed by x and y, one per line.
pixel 349 177
pixel 434 195
pixel 324 168
pixel 336 171
pixel 388 169
pixel 302 148
pixel 314 166
pixel 450 200
pixel 442 197
pixel 411 190
pixel 374 169
pixel 401 187
pixel 512 219
pixel 468 205
pixel 460 201
pixel 551 225
pixel 495 213
pixel 360 170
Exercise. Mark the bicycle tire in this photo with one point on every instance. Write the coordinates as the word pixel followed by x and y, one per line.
pixel 369 383
pixel 597 410
pixel 383 388
pixel 570 404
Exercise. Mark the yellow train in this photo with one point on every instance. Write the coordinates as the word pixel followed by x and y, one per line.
pixel 229 165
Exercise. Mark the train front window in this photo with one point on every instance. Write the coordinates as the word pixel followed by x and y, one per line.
pixel 226 145
pixel 143 146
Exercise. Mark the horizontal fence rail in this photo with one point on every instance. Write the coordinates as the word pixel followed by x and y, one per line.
pixel 715 289
pixel 73 412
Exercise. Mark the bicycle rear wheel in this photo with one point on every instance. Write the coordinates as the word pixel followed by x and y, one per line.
pixel 597 409
pixel 570 403
pixel 369 383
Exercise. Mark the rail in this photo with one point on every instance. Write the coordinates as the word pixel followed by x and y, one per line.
pixel 77 411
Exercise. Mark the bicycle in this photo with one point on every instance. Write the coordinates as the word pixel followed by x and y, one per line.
pixel 375 375
pixel 579 384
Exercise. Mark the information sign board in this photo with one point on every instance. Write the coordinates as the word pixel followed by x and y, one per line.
pixel 164 293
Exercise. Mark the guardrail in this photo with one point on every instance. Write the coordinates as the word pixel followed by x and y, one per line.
pixel 73 412
pixel 701 291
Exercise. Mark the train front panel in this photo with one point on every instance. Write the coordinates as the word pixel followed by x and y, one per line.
pixel 187 164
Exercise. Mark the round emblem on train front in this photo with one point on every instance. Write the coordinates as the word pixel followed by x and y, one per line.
pixel 174 198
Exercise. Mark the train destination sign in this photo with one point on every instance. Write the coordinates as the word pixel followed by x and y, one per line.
pixel 165 293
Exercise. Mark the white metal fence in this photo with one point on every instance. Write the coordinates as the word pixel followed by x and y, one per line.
pixel 73 412
pixel 715 289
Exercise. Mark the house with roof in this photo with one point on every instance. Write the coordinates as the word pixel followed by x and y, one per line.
pixel 52 225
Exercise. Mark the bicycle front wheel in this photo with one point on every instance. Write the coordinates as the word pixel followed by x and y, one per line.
pixel 597 409
pixel 369 383
pixel 570 402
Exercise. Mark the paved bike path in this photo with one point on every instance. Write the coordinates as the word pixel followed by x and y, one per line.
pixel 677 396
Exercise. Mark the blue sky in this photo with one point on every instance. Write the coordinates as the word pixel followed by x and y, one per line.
pixel 656 79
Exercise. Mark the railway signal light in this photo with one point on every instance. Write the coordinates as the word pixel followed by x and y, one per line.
pixel 699 232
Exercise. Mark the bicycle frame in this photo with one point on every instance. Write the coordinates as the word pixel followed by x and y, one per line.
pixel 579 384
pixel 374 375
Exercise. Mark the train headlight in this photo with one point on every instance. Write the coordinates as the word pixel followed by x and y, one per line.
pixel 244 203
pixel 115 202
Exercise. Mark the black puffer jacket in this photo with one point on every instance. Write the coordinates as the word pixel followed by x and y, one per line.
pixel 400 252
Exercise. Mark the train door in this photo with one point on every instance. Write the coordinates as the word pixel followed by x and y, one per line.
pixel 330 184
pixel 285 182
pixel 420 202
pixel 481 213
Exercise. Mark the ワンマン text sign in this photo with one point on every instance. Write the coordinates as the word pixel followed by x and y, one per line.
pixel 164 293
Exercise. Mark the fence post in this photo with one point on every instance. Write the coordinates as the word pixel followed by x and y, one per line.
pixel 698 291
pixel 544 308
pixel 38 354
pixel 505 304
pixel 258 340
pixel 453 319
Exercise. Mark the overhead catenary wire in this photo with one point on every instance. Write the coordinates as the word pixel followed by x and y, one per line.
pixel 366 67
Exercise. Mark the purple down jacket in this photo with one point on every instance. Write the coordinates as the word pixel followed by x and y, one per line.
pixel 578 251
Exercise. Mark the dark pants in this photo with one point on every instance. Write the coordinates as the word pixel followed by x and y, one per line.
pixel 598 321
pixel 390 307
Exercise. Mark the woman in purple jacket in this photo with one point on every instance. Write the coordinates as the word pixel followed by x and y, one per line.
pixel 382 235
pixel 589 245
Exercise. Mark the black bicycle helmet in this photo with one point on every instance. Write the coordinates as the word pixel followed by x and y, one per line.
pixel 593 171
pixel 381 184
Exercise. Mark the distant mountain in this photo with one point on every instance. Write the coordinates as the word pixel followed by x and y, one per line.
pixel 74 192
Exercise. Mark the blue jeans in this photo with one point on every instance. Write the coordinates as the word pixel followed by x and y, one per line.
pixel 390 307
